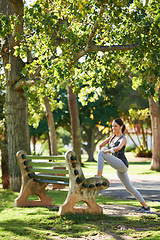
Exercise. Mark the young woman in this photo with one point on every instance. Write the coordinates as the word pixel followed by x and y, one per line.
pixel 117 143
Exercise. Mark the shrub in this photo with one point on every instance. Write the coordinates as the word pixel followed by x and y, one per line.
pixel 143 153
pixel 129 148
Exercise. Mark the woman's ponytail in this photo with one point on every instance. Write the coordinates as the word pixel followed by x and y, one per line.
pixel 120 123
pixel 123 128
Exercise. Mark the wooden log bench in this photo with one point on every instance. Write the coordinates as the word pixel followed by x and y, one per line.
pixel 39 171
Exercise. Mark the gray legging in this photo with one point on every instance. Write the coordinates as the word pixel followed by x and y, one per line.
pixel 121 172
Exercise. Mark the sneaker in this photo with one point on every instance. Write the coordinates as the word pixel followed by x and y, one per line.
pixel 143 210
pixel 97 176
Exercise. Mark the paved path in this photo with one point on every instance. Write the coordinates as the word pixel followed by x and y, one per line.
pixel 148 186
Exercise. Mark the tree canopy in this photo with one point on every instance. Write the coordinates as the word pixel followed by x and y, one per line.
pixel 57 43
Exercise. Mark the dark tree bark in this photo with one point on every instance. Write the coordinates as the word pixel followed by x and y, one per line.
pixel 16 102
pixel 4 166
pixel 75 123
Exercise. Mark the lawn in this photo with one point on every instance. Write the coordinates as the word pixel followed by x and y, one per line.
pixel 45 223
pixel 135 167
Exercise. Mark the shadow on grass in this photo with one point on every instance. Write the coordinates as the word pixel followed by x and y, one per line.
pixel 140 163
pixel 7 198
pixel 72 223
pixel 101 222
pixel 79 225
pixel 44 223
pixel 32 229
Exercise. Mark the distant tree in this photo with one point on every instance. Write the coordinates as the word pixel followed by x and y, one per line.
pixel 39 132
pixel 140 119
pixel 51 126
pixel 94 119
pixel 113 102
pixel 97 107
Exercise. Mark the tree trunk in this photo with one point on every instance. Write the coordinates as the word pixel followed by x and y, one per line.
pixel 144 138
pixel 132 140
pixel 49 146
pixel 33 139
pixel 17 132
pixel 51 125
pixel 4 166
pixel 90 147
pixel 16 102
pixel 155 124
pixel 75 123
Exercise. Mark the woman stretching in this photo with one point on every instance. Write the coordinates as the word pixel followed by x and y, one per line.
pixel 118 160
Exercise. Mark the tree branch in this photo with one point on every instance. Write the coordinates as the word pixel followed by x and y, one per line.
pixel 77 57
pixel 146 2
pixel 28 82
pixel 96 48
pixel 94 28
pixel 20 84
pixel 18 26
pixel 84 52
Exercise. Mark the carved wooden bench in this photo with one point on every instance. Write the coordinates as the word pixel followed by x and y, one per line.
pixel 38 171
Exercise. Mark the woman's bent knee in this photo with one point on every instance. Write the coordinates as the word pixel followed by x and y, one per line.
pixel 123 170
pixel 100 152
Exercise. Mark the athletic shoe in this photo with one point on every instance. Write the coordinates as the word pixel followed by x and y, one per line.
pixel 143 210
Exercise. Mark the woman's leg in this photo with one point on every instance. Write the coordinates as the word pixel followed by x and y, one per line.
pixel 129 187
pixel 121 168
pixel 113 161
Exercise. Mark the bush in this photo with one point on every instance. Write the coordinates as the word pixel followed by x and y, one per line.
pixel 143 153
pixel 129 148
pixel 62 151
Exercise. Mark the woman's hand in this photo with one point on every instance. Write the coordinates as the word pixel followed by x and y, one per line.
pixel 106 150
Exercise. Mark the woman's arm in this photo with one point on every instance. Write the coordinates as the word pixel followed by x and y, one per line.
pixel 103 143
pixel 123 142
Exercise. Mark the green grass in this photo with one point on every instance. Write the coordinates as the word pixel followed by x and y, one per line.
pixel 135 168
pixel 45 223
